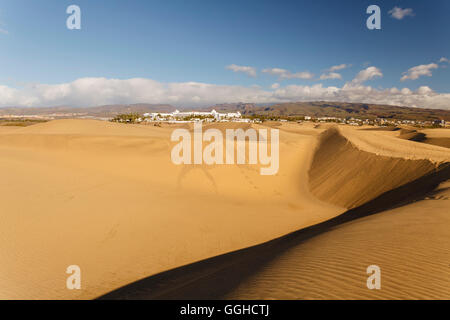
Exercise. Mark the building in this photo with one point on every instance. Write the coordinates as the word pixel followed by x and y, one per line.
pixel 178 115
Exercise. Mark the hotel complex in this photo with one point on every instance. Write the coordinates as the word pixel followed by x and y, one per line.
pixel 183 116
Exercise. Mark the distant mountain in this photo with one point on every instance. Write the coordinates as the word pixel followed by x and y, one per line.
pixel 112 110
pixel 243 108
pixel 100 111
pixel 314 109
pixel 335 109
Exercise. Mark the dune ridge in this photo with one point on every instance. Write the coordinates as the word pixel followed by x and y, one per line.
pixel 340 167
pixel 328 260
pixel 382 144
pixel 325 261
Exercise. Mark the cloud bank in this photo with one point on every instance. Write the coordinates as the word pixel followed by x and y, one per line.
pixel 103 91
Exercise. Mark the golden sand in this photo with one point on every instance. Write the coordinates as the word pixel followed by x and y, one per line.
pixel 410 245
pixel 107 197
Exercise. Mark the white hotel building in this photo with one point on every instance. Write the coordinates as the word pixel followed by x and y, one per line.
pixel 177 115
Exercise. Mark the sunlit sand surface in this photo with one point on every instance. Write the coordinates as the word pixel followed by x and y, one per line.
pixel 108 198
pixel 411 245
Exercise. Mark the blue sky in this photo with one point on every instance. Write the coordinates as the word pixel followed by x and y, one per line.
pixel 175 42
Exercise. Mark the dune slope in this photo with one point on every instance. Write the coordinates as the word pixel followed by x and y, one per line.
pixel 107 197
pixel 329 260
pixel 349 177
pixel 410 244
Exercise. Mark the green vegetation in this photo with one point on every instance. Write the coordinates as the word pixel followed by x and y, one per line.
pixel 127 118
pixel 194 117
pixel 19 122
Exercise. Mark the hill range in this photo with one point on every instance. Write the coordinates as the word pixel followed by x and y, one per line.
pixel 98 111
pixel 337 109
pixel 314 109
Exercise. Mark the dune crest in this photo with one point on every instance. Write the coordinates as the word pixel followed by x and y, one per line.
pixel 329 260
pixel 346 175
pixel 382 144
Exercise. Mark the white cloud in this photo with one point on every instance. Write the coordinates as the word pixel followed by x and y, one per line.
pixel 301 75
pixel 285 74
pixel 331 75
pixel 418 71
pixel 406 91
pixel 103 91
pixel 424 90
pixel 339 67
pixel 367 74
pixel 245 69
pixel 423 97
pixel 443 59
pixel 275 85
pixel 399 13
pixel 276 71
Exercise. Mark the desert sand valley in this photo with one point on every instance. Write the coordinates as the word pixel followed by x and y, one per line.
pixel 106 197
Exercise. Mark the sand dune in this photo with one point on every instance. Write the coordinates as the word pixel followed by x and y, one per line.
pixel 410 245
pixel 437 136
pixel 412 135
pixel 344 175
pixel 329 260
pixel 387 143
pixel 107 197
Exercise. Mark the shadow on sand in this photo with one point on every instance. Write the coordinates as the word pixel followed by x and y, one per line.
pixel 214 278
